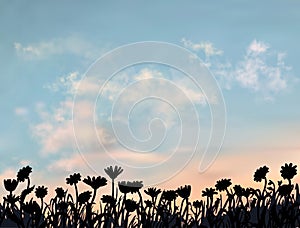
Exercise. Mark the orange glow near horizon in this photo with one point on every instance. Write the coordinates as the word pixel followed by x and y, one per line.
pixel 238 167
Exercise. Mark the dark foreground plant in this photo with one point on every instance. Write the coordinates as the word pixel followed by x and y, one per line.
pixel 226 205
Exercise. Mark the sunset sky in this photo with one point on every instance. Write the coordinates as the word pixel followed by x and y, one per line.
pixel 251 49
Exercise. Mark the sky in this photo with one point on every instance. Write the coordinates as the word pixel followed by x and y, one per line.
pixel 61 112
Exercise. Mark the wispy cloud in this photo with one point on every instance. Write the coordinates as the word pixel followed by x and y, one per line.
pixel 58 46
pixel 257 47
pixel 204 46
pixel 67 84
pixel 55 130
pixel 145 76
pixel 261 69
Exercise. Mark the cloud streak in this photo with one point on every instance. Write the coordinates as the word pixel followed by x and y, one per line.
pixel 68 45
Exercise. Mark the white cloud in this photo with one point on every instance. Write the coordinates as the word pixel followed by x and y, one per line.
pixel 261 69
pixel 205 46
pixel 71 44
pixel 54 138
pixel 55 130
pixel 69 85
pixel 162 85
pixel 257 47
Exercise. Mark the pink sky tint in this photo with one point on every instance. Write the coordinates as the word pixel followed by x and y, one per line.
pixel 239 167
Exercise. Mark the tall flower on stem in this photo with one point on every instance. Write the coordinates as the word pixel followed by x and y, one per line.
pixel 131 186
pixel 73 180
pixel 184 193
pixel 153 193
pixel 113 173
pixel 10 185
pixel 209 194
pixel 23 174
pixel 95 183
pixel 288 171
pixel 41 192
pixel 170 196
pixel 260 174
pixel 223 184
pixel 60 192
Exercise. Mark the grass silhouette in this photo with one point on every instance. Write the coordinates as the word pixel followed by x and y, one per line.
pixel 224 205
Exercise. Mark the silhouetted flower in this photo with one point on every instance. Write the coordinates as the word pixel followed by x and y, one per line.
pixel 261 173
pixel 130 205
pixel 126 187
pixel 84 197
pixel 73 179
pixel 275 206
pixel 285 189
pixel 123 187
pixel 95 182
pixel 60 193
pixel 152 192
pixel 184 192
pixel 113 173
pixel 108 199
pixel 10 184
pixel 209 192
pixel 41 192
pixel 238 190
pixel 148 203
pixel 223 184
pixel 288 171
pixel 197 204
pixel 12 199
pixel 23 173
pixel 169 195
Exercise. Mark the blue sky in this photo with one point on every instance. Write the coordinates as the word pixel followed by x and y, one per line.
pixel 252 48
